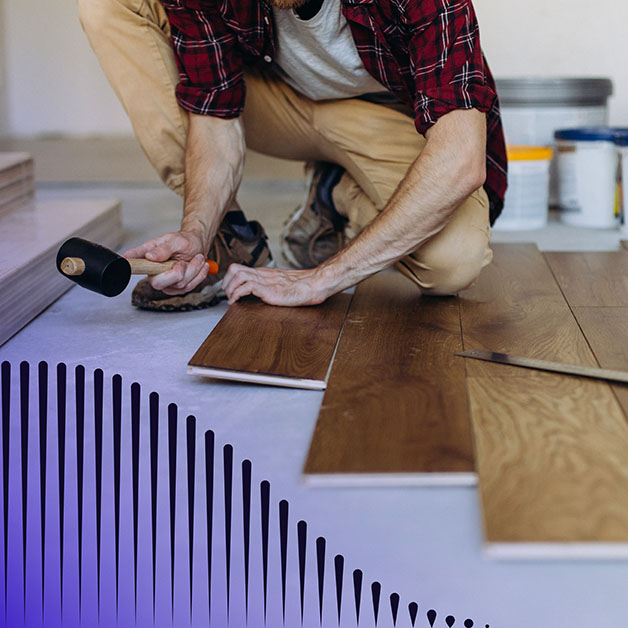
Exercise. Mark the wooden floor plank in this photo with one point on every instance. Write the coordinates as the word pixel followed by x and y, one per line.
pixel 259 343
pixel 592 279
pixel 517 308
pixel 551 450
pixel 396 408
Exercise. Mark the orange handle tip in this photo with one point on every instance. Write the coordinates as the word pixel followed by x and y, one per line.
pixel 213 267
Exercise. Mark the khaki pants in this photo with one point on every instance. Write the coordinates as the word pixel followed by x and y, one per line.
pixel 374 143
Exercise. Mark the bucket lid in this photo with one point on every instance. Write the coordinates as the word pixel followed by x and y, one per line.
pixel 529 153
pixel 531 91
pixel 591 134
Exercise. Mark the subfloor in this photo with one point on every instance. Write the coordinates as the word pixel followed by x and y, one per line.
pixel 424 544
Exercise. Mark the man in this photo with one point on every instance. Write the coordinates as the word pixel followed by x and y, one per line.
pixel 389 101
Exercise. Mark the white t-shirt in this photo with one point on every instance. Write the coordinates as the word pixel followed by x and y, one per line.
pixel 318 57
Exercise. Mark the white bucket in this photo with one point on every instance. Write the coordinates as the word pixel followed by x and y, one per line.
pixel 527 198
pixel 587 177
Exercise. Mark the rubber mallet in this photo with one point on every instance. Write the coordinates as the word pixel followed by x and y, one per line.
pixel 100 269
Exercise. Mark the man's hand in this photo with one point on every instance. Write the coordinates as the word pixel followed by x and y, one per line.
pixel 275 286
pixel 187 273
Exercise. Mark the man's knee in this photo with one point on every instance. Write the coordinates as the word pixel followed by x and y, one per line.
pixel 94 13
pixel 449 270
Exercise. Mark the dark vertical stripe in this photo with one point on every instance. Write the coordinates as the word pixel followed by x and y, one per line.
pixel 394 607
pixel 320 566
pixel 191 448
pixel 431 617
pixel 450 620
pixel 413 609
pixel 24 392
pixel 209 511
pixel 376 591
pixel 357 593
pixel 135 458
pixel 117 429
pixel 61 419
pixel 43 453
pixel 246 527
pixel 265 514
pixel 98 436
pixel 79 378
pixel 302 542
pixel 6 413
pixel 154 452
pixel 284 508
pixel 172 465
pixel 228 492
pixel 339 566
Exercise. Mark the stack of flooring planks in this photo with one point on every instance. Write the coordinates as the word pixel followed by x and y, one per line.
pixel 549 451
pixel 31 233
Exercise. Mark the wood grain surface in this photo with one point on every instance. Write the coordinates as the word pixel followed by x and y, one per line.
pixel 551 450
pixel 257 339
pixel 396 403
pixel 592 279
pixel 517 308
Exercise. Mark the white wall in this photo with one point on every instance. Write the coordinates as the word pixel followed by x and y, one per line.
pixel 559 38
pixel 56 86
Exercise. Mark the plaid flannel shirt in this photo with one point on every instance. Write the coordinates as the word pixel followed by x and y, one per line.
pixel 426 52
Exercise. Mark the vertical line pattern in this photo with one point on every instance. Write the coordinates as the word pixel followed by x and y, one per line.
pixel 228 492
pixel 6 417
pixel 98 435
pixel 394 607
pixel 320 566
pixel 283 540
pixel 172 470
pixel 376 591
pixel 79 377
pixel 431 617
pixel 153 402
pixel 265 515
pixel 117 429
pixel 246 527
pixel 302 543
pixel 339 566
pixel 413 609
pixel 209 511
pixel 135 463
pixel 24 410
pixel 43 454
pixel 191 449
pixel 357 593
pixel 61 419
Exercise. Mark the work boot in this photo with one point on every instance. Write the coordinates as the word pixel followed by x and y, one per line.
pixel 237 242
pixel 315 231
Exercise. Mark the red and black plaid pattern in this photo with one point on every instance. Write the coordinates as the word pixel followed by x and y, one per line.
pixel 427 52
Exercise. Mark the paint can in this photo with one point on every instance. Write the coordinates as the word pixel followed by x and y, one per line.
pixel 587 176
pixel 527 198
pixel 622 146
pixel 533 109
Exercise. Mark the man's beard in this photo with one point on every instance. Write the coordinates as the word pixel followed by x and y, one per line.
pixel 288 4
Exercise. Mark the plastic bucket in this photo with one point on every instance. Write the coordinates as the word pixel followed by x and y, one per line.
pixel 587 176
pixel 621 142
pixel 527 198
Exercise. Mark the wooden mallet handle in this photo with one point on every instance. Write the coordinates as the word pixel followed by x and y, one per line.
pixel 74 266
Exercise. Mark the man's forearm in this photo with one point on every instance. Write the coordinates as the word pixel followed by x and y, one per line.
pixel 450 168
pixel 214 159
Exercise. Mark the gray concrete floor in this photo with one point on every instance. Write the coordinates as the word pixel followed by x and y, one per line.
pixel 425 544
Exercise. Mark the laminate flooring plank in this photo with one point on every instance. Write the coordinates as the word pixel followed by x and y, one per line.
pixel 551 450
pixel 606 329
pixel 517 308
pixel 592 279
pixel 259 343
pixel 395 410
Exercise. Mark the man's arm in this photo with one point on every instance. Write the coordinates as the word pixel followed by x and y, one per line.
pixel 214 159
pixel 450 168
